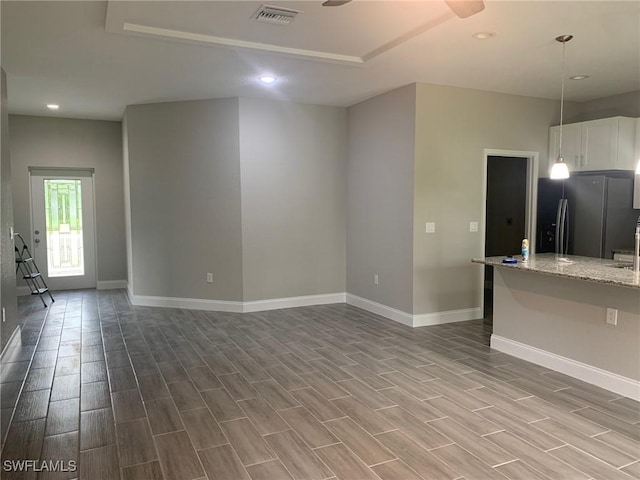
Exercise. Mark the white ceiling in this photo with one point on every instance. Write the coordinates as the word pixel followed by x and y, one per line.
pixel 94 58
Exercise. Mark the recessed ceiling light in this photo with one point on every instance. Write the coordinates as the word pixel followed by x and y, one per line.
pixel 53 106
pixel 484 35
pixel 267 79
pixel 579 77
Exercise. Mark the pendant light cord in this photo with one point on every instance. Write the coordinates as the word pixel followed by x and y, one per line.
pixel 564 46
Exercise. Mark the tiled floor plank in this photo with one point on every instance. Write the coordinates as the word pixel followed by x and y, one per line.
pixel 308 427
pixel 264 418
pixel 297 457
pixel 344 463
pixel 221 463
pixel 273 470
pixel 395 470
pixel 247 442
pixel 416 457
pixel 135 443
pixel 143 471
pixel 363 415
pixel 202 428
pixel 363 444
pixel 592 446
pixel 545 463
pixel 97 429
pixel 586 463
pixel 466 463
pixel 178 457
pixel 163 416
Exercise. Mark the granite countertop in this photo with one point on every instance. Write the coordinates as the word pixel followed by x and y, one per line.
pixel 597 270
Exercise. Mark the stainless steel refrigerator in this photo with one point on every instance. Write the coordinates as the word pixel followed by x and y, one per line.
pixel 591 214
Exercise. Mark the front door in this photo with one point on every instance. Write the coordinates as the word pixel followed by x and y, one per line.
pixel 63 235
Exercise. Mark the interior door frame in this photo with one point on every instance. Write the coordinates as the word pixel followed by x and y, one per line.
pixel 67 171
pixel 531 207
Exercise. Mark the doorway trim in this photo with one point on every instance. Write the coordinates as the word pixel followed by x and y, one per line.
pixel 70 171
pixel 531 207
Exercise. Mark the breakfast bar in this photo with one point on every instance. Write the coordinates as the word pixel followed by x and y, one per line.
pixel 577 315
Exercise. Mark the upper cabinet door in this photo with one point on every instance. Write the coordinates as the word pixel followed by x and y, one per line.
pixel 599 144
pixel 571 147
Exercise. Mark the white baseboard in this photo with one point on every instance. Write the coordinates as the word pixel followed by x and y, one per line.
pixel 12 344
pixel 290 302
pixel 111 284
pixel 380 309
pixel 188 303
pixel 236 307
pixel 421 320
pixel 23 290
pixel 448 316
pixel 582 371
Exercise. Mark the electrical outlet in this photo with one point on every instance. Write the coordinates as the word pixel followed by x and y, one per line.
pixel 473 226
pixel 376 280
pixel 430 227
pixel 612 316
pixel 209 277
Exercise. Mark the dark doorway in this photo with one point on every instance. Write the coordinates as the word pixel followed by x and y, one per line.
pixel 506 214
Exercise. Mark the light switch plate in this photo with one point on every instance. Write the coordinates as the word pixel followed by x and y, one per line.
pixel 430 227
pixel 473 226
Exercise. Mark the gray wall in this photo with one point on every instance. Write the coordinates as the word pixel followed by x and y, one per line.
pixel 184 176
pixel 567 317
pixel 453 127
pixel 59 142
pixel 7 269
pixel 380 198
pixel 293 165
pixel 626 105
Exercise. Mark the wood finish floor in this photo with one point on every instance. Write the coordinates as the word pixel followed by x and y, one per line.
pixel 307 393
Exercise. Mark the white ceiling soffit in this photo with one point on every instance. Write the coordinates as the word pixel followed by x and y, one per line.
pixel 329 31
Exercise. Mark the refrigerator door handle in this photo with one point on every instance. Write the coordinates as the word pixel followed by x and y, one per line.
pixel 558 228
pixel 562 245
pixel 566 226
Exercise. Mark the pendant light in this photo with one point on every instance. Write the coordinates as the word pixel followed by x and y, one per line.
pixel 559 170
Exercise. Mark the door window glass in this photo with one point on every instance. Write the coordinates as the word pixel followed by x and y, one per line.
pixel 63 220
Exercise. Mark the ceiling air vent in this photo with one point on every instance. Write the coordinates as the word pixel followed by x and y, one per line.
pixel 277 15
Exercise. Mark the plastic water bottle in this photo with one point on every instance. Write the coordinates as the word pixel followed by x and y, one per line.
pixel 525 250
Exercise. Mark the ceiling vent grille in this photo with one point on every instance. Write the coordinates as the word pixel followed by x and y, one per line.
pixel 277 15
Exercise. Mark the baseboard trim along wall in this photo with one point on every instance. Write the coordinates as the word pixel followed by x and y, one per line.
pixel 582 371
pixel 235 307
pixel 111 284
pixel 448 316
pixel 23 290
pixel 421 320
pixel 12 344
pixel 391 313
pixel 290 302
pixel 188 303
pixel 380 309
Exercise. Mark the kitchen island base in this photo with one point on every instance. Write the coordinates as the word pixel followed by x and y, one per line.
pixel 560 323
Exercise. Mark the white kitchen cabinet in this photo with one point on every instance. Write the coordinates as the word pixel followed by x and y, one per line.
pixel 603 144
